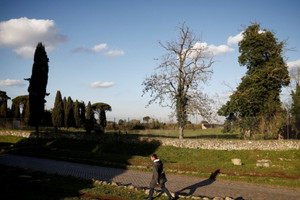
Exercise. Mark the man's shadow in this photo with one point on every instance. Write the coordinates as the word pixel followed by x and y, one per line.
pixel 192 188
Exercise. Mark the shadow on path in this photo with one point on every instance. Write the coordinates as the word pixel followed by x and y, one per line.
pixel 192 188
pixel 84 158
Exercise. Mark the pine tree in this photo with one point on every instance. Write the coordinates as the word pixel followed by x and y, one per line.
pixel 37 86
pixel 58 112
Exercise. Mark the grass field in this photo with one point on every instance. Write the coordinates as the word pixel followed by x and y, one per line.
pixel 284 170
pixel 188 133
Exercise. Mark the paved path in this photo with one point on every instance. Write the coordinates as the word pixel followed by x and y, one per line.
pixel 176 183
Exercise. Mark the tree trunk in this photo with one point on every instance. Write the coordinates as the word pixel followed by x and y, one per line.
pixel 37 131
pixel 181 132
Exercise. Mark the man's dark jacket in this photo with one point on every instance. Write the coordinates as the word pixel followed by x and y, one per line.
pixel 157 175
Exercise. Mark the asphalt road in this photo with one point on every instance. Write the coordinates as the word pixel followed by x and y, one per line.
pixel 178 184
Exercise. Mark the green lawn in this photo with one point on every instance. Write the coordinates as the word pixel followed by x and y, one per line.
pixel 188 133
pixel 284 170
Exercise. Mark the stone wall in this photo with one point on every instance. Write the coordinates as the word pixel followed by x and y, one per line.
pixel 213 144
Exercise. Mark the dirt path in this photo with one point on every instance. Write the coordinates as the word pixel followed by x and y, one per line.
pixel 179 184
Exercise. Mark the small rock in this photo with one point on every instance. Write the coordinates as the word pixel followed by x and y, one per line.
pixel 263 163
pixel 196 198
pixel 114 184
pixel 218 198
pixel 236 161
pixel 131 187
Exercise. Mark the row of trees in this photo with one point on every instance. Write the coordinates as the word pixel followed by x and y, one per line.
pixel 254 108
pixel 66 113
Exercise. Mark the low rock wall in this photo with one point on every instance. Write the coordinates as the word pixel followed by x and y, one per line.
pixel 212 144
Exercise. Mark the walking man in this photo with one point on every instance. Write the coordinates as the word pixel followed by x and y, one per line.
pixel 158 178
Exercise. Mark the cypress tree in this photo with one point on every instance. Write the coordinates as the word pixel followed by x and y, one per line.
pixel 37 86
pixel 65 111
pixel 58 112
pixel 82 112
pixel 70 121
pixel 89 118
pixel 77 114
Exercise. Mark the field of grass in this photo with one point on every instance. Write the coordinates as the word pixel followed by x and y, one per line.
pixel 188 133
pixel 284 170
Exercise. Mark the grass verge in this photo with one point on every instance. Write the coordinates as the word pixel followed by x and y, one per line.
pixel 284 170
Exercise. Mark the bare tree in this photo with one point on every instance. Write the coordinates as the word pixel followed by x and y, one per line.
pixel 177 80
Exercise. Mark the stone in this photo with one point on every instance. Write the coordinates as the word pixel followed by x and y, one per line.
pixel 196 198
pixel 263 163
pixel 218 198
pixel 236 161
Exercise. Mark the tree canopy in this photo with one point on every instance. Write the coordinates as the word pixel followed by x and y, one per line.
pixel 37 86
pixel 176 83
pixel 100 109
pixel 58 112
pixel 256 101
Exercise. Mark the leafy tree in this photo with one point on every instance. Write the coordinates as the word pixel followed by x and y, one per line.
pixel 176 83
pixel 3 104
pixel 58 112
pixel 146 119
pixel 256 102
pixel 100 109
pixel 89 118
pixel 37 86
pixel 21 102
pixel 295 110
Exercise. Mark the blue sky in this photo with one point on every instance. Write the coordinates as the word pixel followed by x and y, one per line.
pixel 101 51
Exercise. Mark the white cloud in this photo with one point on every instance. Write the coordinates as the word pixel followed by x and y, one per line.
pixel 294 64
pixel 113 53
pixel 211 50
pixel 221 49
pixel 23 34
pixel 10 82
pixel 98 84
pixel 96 49
pixel 100 47
pixel 233 40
